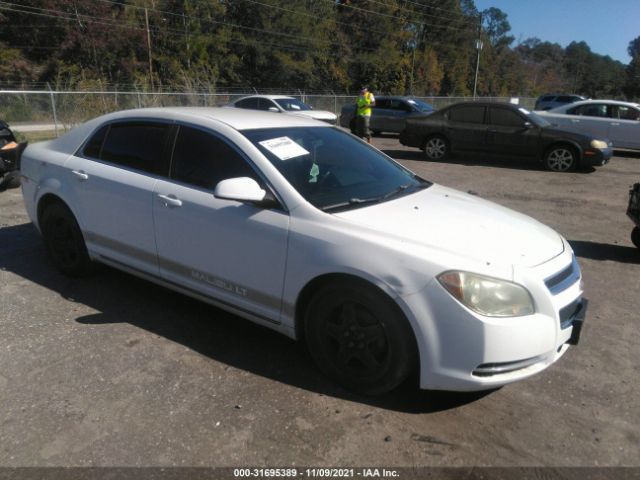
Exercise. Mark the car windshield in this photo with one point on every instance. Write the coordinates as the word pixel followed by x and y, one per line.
pixel 535 118
pixel 421 106
pixel 291 104
pixel 332 169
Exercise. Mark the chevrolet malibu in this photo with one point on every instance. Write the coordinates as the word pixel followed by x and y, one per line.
pixel 305 229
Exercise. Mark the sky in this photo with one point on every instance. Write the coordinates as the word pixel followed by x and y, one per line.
pixel 607 26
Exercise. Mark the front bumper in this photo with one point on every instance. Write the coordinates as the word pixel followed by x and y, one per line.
pixel 464 351
pixel 596 157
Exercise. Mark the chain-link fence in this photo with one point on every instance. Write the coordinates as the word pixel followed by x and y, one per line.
pixel 34 110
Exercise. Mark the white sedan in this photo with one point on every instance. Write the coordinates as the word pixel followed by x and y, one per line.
pixel 284 104
pixel 303 228
pixel 606 119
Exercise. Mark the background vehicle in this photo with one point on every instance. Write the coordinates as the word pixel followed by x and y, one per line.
pixel 305 229
pixel 10 153
pixel 388 115
pixel 506 130
pixel 611 119
pixel 553 100
pixel 633 211
pixel 284 104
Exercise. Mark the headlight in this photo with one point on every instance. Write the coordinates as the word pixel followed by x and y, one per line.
pixel 599 144
pixel 488 296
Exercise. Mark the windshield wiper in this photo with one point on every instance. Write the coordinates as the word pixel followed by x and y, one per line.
pixel 381 198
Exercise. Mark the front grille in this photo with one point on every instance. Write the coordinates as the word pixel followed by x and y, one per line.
pixel 568 313
pixel 562 280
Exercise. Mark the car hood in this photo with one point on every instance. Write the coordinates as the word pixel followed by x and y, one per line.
pixel 316 114
pixel 445 219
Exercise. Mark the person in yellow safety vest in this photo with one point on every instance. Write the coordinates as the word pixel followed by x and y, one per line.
pixel 365 101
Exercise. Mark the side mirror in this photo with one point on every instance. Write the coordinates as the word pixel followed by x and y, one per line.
pixel 527 125
pixel 241 189
pixel 273 109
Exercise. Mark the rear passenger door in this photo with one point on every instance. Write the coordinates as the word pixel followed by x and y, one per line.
pixel 466 128
pixel 226 250
pixel 112 177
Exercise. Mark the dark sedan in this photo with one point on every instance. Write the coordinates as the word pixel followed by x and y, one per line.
pixel 388 115
pixel 503 129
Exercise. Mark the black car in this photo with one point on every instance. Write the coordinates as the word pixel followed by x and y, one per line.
pixel 503 129
pixel 633 211
pixel 10 153
pixel 388 115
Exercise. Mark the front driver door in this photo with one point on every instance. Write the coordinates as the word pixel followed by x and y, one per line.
pixel 226 250
pixel 508 134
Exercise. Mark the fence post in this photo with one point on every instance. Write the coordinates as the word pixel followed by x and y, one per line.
pixel 53 107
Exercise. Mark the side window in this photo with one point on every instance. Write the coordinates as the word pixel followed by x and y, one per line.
pixel 467 114
pixel 564 99
pixel 265 104
pixel 591 110
pixel 202 159
pixel 505 118
pixel 400 106
pixel 94 145
pixel 548 98
pixel 627 113
pixel 251 103
pixel 135 145
pixel 382 103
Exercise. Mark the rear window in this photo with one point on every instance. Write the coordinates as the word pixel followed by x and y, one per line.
pixel 467 114
pixel 135 145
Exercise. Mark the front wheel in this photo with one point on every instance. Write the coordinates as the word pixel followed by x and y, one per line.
pixel 436 148
pixel 64 242
pixel 359 338
pixel 635 236
pixel 560 159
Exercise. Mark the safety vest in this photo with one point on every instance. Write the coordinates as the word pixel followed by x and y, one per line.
pixel 364 104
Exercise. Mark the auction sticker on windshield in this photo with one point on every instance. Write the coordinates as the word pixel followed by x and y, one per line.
pixel 284 148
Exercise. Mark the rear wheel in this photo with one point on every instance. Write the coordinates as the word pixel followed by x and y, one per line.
pixel 359 338
pixel 436 148
pixel 635 236
pixel 560 159
pixel 64 242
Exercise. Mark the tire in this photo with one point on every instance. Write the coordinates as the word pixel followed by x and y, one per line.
pixel 436 148
pixel 359 338
pixel 635 236
pixel 561 158
pixel 64 242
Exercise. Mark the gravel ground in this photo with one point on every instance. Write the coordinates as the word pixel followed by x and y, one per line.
pixel 115 371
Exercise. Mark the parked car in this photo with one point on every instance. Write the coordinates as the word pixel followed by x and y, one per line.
pixel 284 104
pixel 554 100
pixel 617 121
pixel 306 229
pixel 10 153
pixel 389 114
pixel 503 129
pixel 633 212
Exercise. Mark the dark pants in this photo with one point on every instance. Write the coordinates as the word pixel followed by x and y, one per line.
pixel 362 127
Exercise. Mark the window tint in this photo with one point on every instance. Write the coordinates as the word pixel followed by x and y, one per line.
pixel 564 99
pixel 202 159
pixel 251 103
pixel 265 104
pixel 548 98
pixel 135 145
pixel 382 103
pixel 593 110
pixel 93 146
pixel 400 105
pixel 506 118
pixel 467 114
pixel 627 113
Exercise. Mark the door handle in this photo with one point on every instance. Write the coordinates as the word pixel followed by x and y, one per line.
pixel 80 175
pixel 615 123
pixel 575 121
pixel 170 200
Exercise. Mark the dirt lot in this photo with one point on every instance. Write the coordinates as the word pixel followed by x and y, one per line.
pixel 112 370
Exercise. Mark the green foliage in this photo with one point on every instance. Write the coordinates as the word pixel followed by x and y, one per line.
pixel 394 46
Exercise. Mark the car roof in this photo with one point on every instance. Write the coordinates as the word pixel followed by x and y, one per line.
pixel 239 119
pixel 270 97
pixel 610 102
